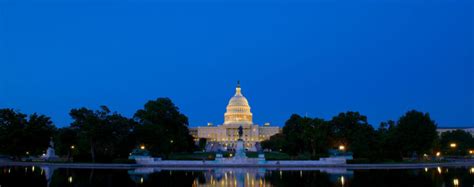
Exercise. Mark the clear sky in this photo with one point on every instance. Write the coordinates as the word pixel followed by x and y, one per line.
pixel 378 57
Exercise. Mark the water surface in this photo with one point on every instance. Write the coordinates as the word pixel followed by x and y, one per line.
pixel 36 176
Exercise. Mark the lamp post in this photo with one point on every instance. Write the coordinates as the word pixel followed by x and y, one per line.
pixel 71 148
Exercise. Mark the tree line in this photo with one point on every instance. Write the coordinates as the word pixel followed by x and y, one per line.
pixel 413 135
pixel 105 136
pixel 98 135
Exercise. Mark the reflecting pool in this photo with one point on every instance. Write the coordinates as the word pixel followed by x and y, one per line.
pixel 49 176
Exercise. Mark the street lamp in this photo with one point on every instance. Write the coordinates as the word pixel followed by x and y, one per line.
pixel 142 147
pixel 342 148
pixel 73 147
pixel 456 182
pixel 453 145
pixel 438 154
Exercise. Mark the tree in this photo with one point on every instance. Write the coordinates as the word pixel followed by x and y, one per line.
pixel 163 129
pixel 67 140
pixel 102 133
pixel 302 135
pixel 463 140
pixel 293 130
pixel 387 141
pixel 21 135
pixel 91 126
pixel 415 133
pixel 38 133
pixel 12 125
pixel 276 142
pixel 123 139
pixel 352 130
pixel 316 136
pixel 202 143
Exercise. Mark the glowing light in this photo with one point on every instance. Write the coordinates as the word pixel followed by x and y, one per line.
pixel 230 155
pixel 73 147
pixel 471 152
pixel 472 170
pixel 142 147
pixel 33 168
pixel 171 141
pixel 439 170
pixel 438 154
pixel 342 148
pixel 69 179
pixel 426 169
pixel 27 153
pixel 342 180
pixel 453 145
pixel 141 180
pixel 455 182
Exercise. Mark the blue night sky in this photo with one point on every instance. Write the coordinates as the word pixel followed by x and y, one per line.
pixel 378 57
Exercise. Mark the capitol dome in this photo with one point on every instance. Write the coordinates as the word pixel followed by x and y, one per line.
pixel 238 110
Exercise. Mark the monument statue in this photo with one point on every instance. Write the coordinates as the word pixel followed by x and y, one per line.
pixel 241 132
pixel 50 153
pixel 240 148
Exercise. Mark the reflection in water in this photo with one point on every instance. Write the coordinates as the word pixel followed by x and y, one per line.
pixel 58 177
pixel 246 176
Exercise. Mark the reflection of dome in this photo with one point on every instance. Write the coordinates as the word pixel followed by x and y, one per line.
pixel 238 110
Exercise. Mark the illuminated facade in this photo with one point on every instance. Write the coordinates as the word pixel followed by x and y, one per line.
pixel 225 136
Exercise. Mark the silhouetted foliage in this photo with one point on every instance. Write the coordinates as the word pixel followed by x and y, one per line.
pixel 463 140
pixel 301 135
pixel 415 133
pixel 354 132
pixel 163 129
pixel 20 134
pixel 276 142
pixel 102 133
pixel 67 140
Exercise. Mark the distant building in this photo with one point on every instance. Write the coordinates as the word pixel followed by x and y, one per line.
pixel 446 129
pixel 225 136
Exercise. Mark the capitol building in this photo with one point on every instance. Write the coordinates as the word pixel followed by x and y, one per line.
pixel 224 137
